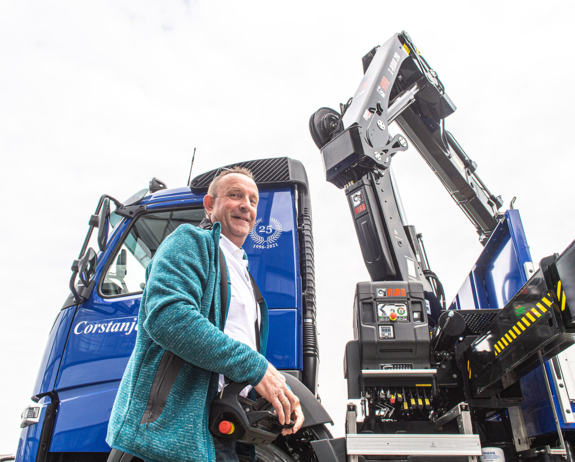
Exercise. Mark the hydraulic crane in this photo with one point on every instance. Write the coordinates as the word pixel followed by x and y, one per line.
pixel 465 377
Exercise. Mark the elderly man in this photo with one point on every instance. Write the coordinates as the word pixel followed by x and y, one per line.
pixel 162 408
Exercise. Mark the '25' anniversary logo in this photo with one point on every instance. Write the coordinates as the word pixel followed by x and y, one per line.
pixel 265 237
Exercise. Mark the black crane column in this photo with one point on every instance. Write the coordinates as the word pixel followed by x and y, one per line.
pixel 386 250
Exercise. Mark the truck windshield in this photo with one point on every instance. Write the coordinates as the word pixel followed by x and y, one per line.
pixel 126 273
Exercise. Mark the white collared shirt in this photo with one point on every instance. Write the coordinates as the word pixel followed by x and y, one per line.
pixel 243 310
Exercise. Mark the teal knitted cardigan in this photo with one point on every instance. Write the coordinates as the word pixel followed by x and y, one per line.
pixel 180 312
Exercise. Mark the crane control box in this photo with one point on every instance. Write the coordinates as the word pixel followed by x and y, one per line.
pixel 390 321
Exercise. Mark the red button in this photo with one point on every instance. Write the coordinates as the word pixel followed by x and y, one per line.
pixel 393 316
pixel 226 428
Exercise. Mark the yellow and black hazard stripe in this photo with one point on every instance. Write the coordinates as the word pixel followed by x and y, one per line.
pixel 522 324
pixel 561 296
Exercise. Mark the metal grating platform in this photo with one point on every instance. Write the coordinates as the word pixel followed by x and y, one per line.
pixel 478 320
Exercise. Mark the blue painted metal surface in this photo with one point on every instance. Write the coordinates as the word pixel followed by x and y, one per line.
pixel 285 341
pixel 497 276
pixel 50 363
pixel 83 418
pixel 273 252
pixel 99 345
pixel 499 272
pixel 90 345
pixel 273 249
pixel 536 406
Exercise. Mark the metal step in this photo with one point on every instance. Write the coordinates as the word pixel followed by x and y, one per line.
pixel 413 445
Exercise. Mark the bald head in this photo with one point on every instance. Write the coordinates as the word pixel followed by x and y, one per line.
pixel 232 201
pixel 215 184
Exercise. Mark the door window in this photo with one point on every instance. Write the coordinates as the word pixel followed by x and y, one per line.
pixel 126 273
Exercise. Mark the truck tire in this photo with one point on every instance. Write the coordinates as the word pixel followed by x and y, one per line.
pixel 271 453
pixel 298 444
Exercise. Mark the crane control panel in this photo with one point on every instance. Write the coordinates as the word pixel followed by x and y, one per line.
pixel 391 325
pixel 392 312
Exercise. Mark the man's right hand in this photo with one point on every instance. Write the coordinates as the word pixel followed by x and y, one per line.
pixel 273 388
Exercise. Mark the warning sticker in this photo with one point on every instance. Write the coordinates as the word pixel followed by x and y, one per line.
pixel 411 268
pixel 380 91
pixel 384 83
pixel 393 64
pixel 366 114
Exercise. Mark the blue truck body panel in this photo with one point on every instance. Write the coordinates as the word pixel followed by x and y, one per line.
pixel 499 272
pixel 83 418
pixel 537 410
pixel 271 246
pixel 50 363
pixel 497 276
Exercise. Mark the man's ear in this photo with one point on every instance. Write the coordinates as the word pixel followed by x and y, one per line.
pixel 209 203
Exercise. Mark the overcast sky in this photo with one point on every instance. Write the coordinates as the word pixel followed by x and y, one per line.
pixel 99 97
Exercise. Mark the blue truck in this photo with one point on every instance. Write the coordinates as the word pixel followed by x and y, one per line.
pixel 95 331
pixel 427 380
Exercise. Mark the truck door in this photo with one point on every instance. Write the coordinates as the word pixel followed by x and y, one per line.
pixel 103 332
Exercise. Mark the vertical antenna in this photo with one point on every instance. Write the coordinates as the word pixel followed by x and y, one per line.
pixel 191 167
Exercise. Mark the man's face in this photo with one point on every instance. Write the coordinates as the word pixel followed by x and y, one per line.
pixel 234 206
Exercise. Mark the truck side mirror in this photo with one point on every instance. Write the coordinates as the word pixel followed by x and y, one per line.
pixel 87 267
pixel 102 224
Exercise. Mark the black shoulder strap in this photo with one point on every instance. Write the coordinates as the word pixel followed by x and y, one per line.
pixel 257 292
pixel 223 286
pixel 207 224
pixel 259 300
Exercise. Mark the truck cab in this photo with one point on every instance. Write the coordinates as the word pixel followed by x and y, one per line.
pixel 95 331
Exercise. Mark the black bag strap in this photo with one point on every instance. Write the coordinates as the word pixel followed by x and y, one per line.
pixel 207 224
pixel 257 292
pixel 223 286
pixel 259 299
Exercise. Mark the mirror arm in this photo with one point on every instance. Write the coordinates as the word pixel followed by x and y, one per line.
pixel 84 266
pixel 75 293
pixel 102 224
pixel 96 213
pixel 130 211
pixel 93 224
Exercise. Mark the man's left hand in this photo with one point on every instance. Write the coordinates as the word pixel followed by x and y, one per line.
pixel 273 388
pixel 297 417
